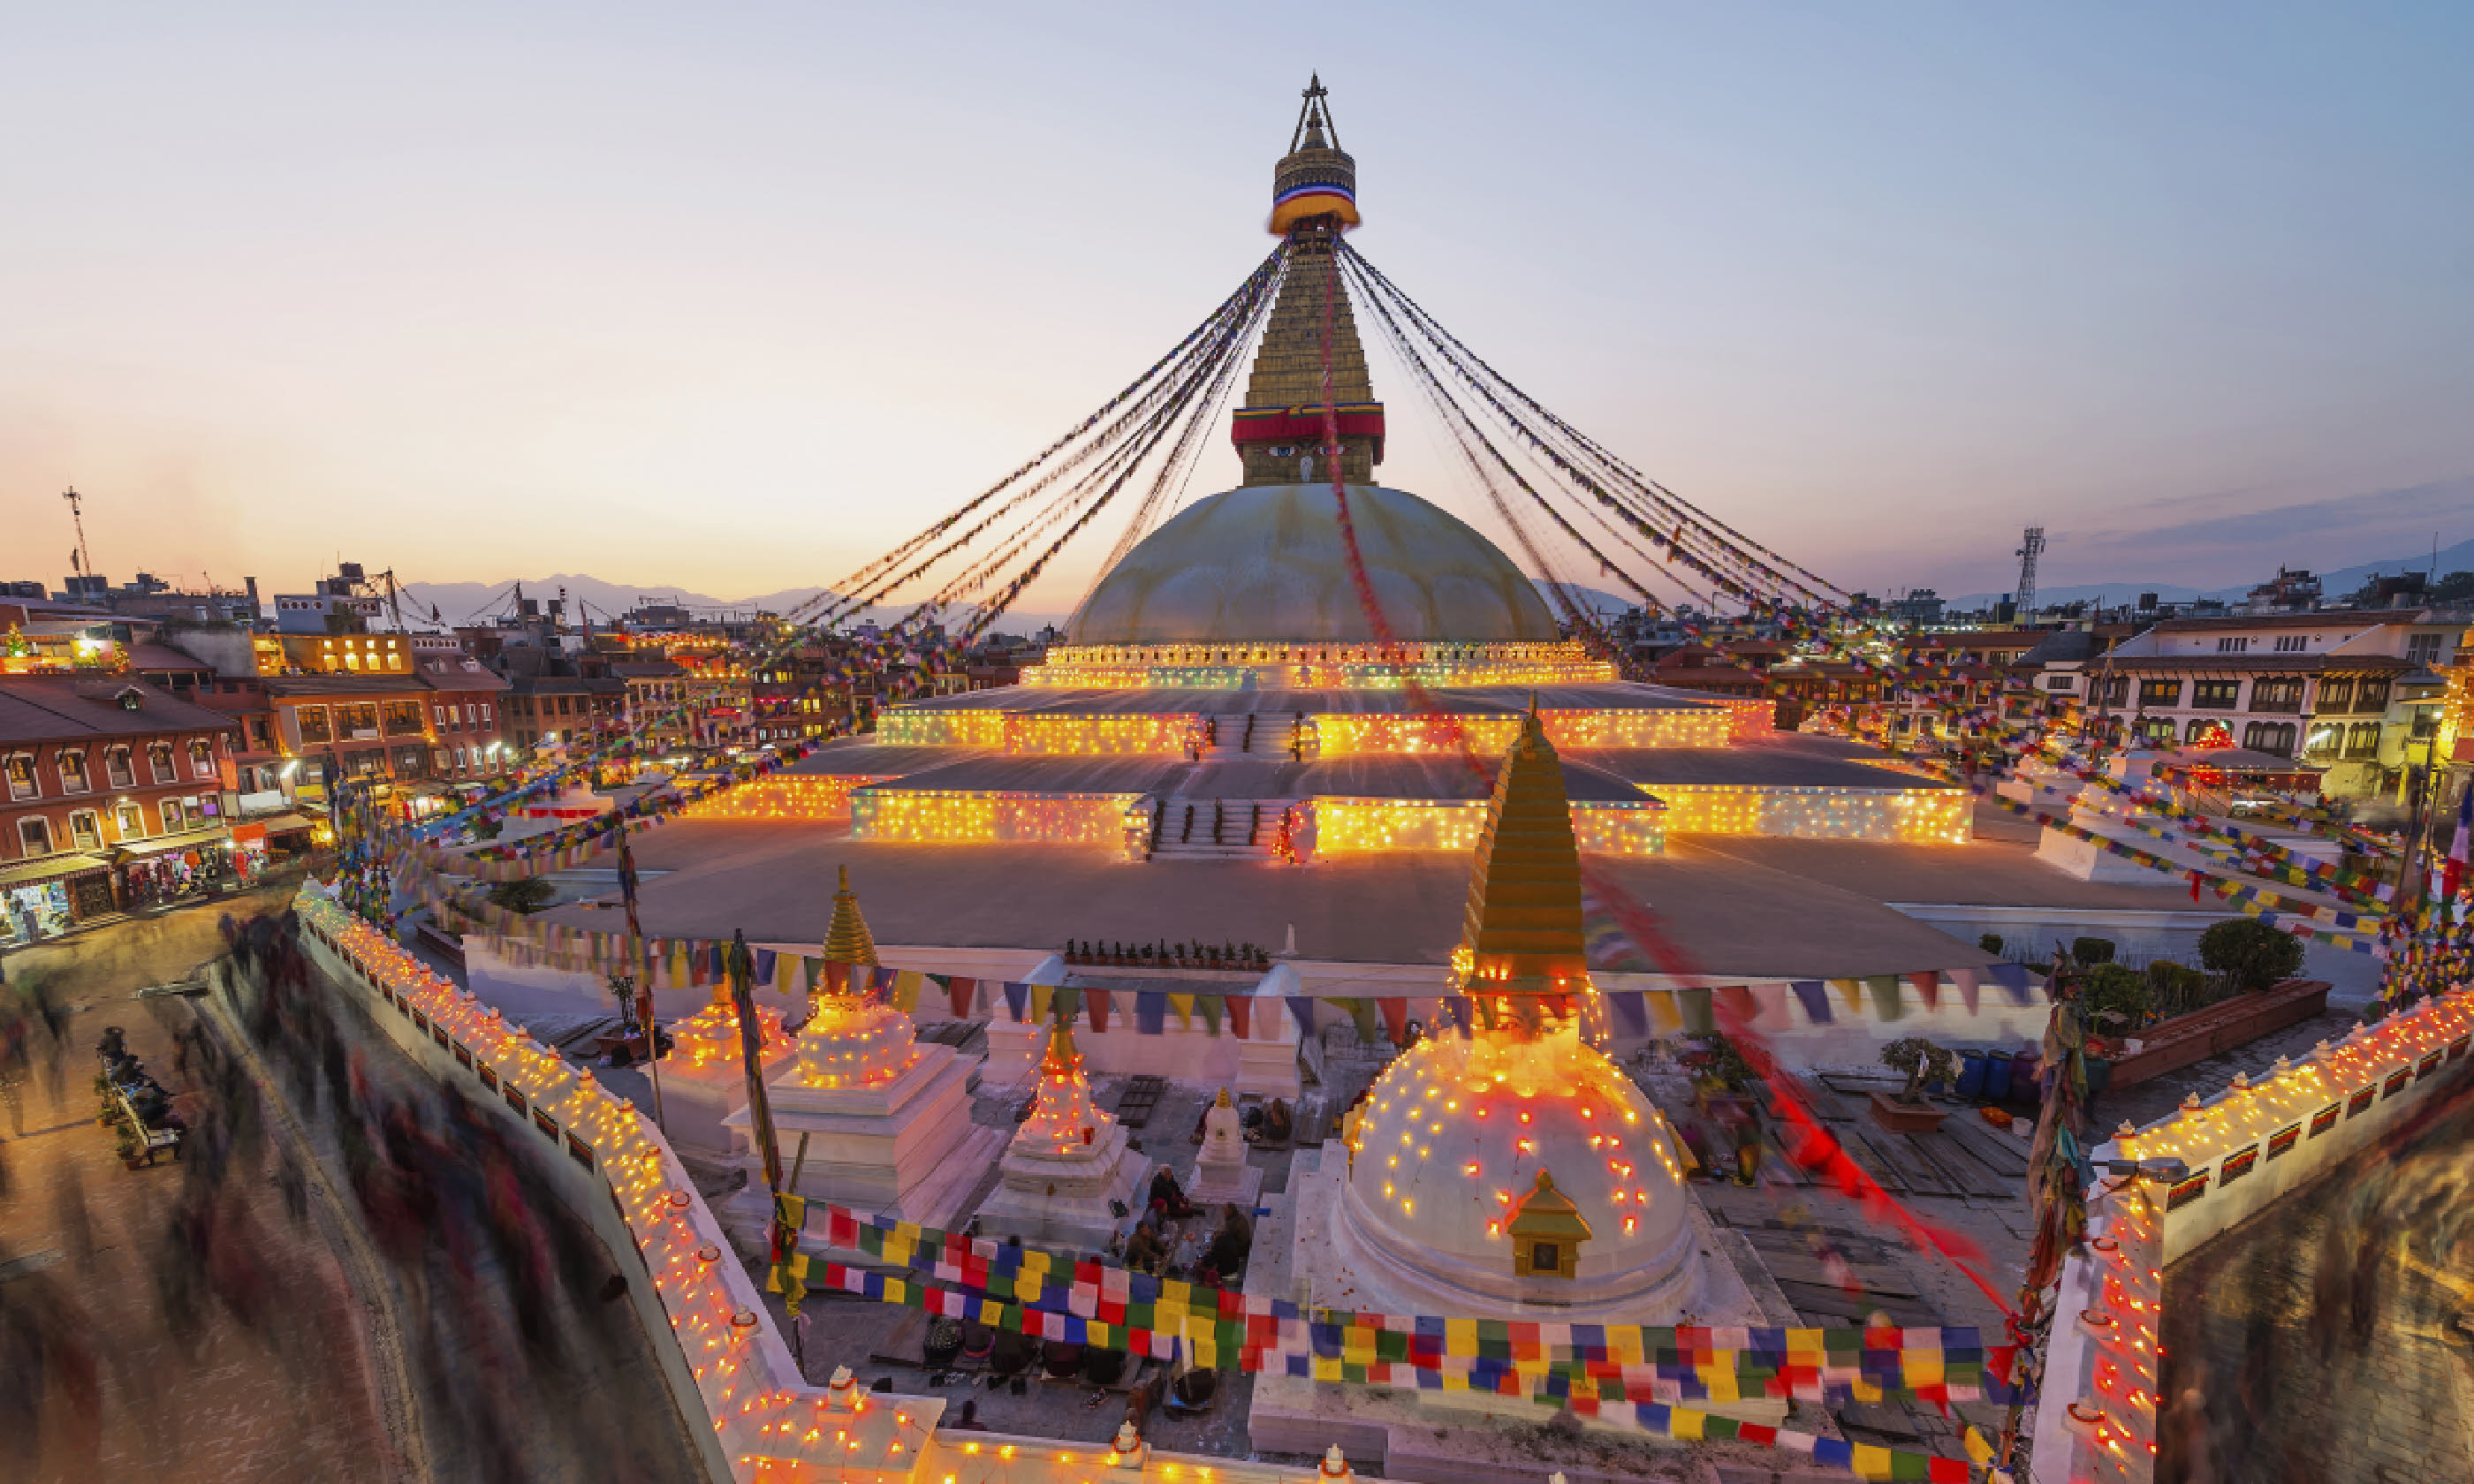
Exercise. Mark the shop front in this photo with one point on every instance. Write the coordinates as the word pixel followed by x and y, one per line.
pixel 173 867
pixel 47 897
pixel 268 838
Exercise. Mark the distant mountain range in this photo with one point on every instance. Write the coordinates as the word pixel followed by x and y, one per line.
pixel 2335 583
pixel 460 602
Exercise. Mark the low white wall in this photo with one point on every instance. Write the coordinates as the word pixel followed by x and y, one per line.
pixel 2354 977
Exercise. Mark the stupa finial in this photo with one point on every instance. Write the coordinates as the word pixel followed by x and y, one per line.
pixel 1522 933
pixel 847 939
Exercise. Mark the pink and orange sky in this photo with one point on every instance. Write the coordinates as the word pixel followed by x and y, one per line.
pixel 733 297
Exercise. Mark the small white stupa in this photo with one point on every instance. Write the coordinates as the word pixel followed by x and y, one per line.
pixel 1221 1173
pixel 886 1121
pixel 1066 1164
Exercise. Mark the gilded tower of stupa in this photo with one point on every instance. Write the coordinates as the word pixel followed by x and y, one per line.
pixel 1280 430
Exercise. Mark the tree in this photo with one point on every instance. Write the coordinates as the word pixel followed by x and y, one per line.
pixel 2118 997
pixel 1921 1061
pixel 530 895
pixel 2250 953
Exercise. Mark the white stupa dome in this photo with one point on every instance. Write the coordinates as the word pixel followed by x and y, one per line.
pixel 1267 562
pixel 852 1043
pixel 1454 1135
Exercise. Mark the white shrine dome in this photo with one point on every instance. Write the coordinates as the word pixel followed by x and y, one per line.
pixel 853 1042
pixel 1455 1134
pixel 1267 562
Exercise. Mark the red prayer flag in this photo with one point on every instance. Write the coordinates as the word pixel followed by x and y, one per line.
pixel 1097 1002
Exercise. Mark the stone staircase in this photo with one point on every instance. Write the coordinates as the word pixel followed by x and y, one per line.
pixel 1192 828
pixel 1265 735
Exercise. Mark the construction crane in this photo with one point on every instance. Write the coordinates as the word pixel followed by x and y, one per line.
pixel 2029 549
pixel 84 560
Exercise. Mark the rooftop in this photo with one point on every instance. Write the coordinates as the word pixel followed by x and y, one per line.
pixel 64 707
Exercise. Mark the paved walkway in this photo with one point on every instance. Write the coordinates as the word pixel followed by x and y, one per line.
pixel 225 1347
pixel 2327 1342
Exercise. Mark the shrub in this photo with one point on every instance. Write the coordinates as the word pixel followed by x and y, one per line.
pixel 1921 1060
pixel 1991 942
pixel 2091 951
pixel 2118 999
pixel 532 894
pixel 2250 953
pixel 2176 989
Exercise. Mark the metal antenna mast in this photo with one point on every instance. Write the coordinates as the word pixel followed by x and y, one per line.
pixel 77 518
pixel 2029 549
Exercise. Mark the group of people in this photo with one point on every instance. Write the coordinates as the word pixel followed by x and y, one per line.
pixel 1151 1250
pixel 146 1097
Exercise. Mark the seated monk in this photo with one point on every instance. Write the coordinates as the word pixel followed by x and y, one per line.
pixel 1061 1358
pixel 1276 1126
pixel 1230 1246
pixel 1144 1252
pixel 1167 1195
pixel 1013 1353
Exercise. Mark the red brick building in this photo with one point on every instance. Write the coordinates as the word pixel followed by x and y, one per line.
pixel 113 794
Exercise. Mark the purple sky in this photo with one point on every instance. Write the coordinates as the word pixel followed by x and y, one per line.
pixel 734 297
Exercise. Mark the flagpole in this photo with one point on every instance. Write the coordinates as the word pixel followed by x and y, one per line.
pixel 640 972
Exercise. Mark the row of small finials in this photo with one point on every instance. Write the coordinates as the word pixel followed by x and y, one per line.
pixel 1171 955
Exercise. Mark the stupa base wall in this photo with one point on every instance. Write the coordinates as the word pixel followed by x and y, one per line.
pixel 1239 1185
pixel 698 1103
pixel 1047 1205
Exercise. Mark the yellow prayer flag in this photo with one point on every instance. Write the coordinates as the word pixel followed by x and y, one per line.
pixel 1459 1337
pixel 1851 990
pixel 1682 1422
pixel 906 989
pixel 1665 1017
pixel 1326 1370
pixel 1040 995
pixel 1183 1005
pixel 1871 1462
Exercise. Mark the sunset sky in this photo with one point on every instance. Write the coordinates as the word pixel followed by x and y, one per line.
pixel 734 297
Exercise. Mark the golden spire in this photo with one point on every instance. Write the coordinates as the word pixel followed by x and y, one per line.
pixel 1523 934
pixel 1223 1099
pixel 1061 1060
pixel 847 939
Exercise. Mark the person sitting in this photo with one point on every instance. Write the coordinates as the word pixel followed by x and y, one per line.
pixel 1011 1353
pixel 1167 1196
pixel 1144 1252
pixel 969 1420
pixel 1275 1127
pixel 1104 1367
pixel 1061 1358
pixel 979 1341
pixel 1193 1390
pixel 1230 1246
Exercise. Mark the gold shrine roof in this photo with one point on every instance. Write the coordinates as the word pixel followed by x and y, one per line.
pixel 846 938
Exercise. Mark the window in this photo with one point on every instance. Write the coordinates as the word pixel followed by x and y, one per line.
pixel 312 721
pixel 260 738
pixel 2269 737
pixel 2325 740
pixel 2276 693
pixel 2337 695
pixel 2057 682
pixel 2234 644
pixel 33 835
pixel 172 823
pixel 2371 696
pixel 485 711
pixel 201 758
pixel 2291 643
pixel 21 777
pixel 73 778
pixel 2200 730
pixel 117 767
pixel 85 830
pixel 159 761
pixel 438 712
pixel 2216 695
pixel 129 820
pixel 402 718
pixel 2423 649
pixel 358 721
pixel 2362 740
pixel 2164 693
pixel 562 705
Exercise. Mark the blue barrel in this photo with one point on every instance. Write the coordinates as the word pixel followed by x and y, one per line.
pixel 1997 1078
pixel 2026 1080
pixel 1971 1076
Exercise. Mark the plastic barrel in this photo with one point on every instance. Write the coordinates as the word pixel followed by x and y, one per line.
pixel 1997 1078
pixel 2024 1079
pixel 1971 1075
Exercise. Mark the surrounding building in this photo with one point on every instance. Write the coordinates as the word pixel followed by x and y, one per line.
pixel 118 795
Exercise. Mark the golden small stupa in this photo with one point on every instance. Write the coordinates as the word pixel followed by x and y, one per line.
pixel 1522 932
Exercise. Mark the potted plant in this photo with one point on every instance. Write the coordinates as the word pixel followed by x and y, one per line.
pixel 1905 1112
pixel 132 1154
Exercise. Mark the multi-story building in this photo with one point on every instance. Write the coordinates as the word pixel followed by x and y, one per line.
pixel 467 718
pixel 2345 688
pixel 569 708
pixel 113 794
